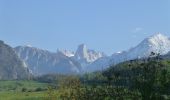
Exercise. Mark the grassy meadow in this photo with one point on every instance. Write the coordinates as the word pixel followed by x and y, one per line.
pixel 22 90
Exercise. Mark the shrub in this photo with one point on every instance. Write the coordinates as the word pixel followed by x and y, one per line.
pixel 24 89
pixel 39 89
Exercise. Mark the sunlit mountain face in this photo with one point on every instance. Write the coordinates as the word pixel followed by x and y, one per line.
pixel 157 43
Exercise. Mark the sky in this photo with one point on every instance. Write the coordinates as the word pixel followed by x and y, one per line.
pixel 104 25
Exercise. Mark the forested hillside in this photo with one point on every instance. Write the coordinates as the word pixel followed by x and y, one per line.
pixel 142 79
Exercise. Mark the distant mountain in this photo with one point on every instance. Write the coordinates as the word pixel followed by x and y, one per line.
pixel 86 56
pixel 98 65
pixel 42 62
pixel 67 53
pixel 157 43
pixel 85 60
pixel 11 67
pixel 167 56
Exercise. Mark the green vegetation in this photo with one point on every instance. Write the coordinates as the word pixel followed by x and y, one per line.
pixel 19 85
pixel 22 90
pixel 22 95
pixel 143 79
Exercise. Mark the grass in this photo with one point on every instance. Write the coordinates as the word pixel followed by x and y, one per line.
pixel 18 85
pixel 22 95
pixel 12 90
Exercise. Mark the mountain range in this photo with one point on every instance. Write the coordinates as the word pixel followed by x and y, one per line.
pixel 42 62
pixel 83 60
pixel 157 43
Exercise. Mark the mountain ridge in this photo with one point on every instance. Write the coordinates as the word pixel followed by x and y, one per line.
pixel 87 60
pixel 44 62
pixel 157 43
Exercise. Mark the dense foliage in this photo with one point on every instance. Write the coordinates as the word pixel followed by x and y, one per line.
pixel 144 79
pixel 141 79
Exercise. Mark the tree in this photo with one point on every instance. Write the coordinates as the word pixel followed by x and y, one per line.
pixel 152 78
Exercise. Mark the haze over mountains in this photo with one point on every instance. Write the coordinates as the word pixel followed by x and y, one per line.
pixel 40 62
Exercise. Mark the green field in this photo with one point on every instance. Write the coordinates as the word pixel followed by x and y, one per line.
pixel 22 90
pixel 22 96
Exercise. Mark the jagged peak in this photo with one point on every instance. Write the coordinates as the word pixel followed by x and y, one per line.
pixel 157 39
pixel 158 36
pixel 25 47
pixel 82 46
pixel 66 52
pixel 82 51
pixel 28 45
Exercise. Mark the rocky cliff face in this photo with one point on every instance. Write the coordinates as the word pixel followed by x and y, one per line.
pixel 85 56
pixel 11 67
pixel 42 62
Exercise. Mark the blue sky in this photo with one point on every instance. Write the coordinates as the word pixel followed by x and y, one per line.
pixel 103 25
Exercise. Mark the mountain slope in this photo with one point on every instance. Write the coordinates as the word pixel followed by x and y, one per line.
pixel 42 62
pixel 167 56
pixel 11 67
pixel 157 43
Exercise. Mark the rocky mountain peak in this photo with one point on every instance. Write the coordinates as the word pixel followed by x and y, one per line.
pixel 82 52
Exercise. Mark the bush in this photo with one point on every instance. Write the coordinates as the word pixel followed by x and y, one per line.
pixel 39 89
pixel 24 89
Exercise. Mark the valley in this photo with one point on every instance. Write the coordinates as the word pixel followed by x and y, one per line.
pixel 140 73
pixel 84 49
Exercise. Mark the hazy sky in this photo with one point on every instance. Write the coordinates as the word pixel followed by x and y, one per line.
pixel 103 25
